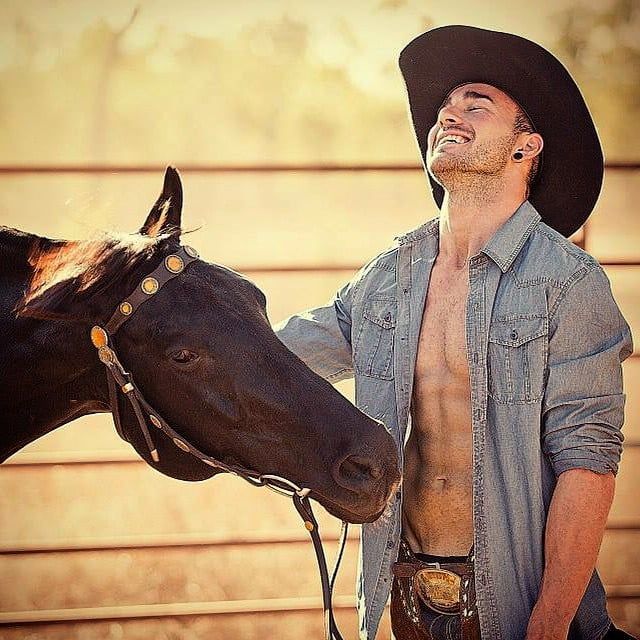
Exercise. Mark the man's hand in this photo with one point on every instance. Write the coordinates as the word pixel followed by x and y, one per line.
pixel 575 526
pixel 547 625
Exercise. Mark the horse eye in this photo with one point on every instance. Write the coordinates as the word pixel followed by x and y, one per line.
pixel 184 356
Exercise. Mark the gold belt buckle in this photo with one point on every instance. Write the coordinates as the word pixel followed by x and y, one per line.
pixel 438 588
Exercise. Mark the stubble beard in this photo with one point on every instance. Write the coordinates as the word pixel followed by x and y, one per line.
pixel 476 175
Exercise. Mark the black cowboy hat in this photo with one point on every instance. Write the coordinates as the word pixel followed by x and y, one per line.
pixel 570 175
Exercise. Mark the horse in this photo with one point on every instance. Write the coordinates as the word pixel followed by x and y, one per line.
pixel 202 352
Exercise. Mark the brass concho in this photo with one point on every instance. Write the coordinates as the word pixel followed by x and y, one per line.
pixel 99 337
pixel 125 308
pixel 149 286
pixel 190 251
pixel 174 263
pixel 439 589
pixel 105 355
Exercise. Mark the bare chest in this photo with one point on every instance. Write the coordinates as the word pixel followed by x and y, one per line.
pixel 442 342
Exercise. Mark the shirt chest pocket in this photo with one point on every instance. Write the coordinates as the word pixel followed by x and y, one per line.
pixel 373 344
pixel 517 358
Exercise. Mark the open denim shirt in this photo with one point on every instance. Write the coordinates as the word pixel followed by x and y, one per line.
pixel 545 341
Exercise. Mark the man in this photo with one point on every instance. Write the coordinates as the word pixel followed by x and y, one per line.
pixel 491 347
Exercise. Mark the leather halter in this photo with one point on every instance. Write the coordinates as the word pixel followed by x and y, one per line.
pixel 119 379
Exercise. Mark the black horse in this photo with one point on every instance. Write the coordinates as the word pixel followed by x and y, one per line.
pixel 203 353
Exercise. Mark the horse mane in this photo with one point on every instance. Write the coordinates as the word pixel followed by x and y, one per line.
pixel 67 273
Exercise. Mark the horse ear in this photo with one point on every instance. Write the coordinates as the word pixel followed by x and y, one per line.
pixel 165 215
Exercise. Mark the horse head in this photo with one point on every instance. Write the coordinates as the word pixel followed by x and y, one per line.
pixel 203 353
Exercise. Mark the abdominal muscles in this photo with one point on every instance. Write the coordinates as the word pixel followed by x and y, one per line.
pixel 438 490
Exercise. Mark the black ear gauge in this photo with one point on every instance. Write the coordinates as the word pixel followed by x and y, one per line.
pixel 518 155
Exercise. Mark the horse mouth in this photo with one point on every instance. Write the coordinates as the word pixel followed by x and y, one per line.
pixel 351 515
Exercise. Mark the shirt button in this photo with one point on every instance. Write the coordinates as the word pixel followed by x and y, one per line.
pixel 391 543
pixel 514 334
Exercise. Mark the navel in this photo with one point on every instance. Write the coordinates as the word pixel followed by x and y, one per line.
pixel 440 483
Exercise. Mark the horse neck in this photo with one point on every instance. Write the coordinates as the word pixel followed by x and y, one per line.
pixel 14 250
pixel 49 373
pixel 30 419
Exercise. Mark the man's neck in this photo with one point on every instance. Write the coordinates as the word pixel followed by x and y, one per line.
pixel 468 220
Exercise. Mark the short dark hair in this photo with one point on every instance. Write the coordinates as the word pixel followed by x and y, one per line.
pixel 522 124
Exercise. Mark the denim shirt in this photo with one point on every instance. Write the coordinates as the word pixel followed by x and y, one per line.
pixel 544 341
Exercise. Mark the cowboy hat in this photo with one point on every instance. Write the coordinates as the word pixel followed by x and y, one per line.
pixel 570 176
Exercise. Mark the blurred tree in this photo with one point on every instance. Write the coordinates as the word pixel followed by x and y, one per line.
pixel 601 47
pixel 101 110
pixel 258 98
pixel 263 96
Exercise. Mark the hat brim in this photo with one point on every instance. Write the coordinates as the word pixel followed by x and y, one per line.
pixel 570 177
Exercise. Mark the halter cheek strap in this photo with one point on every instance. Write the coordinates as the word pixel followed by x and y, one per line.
pixel 119 379
pixel 172 266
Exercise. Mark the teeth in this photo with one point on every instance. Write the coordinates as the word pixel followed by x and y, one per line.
pixel 456 139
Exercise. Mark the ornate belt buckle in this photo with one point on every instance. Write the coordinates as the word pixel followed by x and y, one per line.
pixel 438 588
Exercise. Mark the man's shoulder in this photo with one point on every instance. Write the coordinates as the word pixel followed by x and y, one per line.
pixel 386 260
pixel 552 257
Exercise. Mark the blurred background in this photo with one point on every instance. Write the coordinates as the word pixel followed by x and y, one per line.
pixel 289 125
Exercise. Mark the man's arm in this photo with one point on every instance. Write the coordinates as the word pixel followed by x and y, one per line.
pixel 321 337
pixel 575 526
pixel 582 417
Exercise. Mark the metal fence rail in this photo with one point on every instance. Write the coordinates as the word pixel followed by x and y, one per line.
pixel 240 168
pixel 226 607
pixel 172 540
pixel 114 456
pixel 189 540
pixel 171 610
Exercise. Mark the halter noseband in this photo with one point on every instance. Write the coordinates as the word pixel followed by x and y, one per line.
pixel 118 378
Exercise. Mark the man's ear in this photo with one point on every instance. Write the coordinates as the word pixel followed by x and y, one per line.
pixel 532 145
pixel 166 214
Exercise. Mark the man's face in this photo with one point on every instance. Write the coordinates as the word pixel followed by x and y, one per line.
pixel 473 133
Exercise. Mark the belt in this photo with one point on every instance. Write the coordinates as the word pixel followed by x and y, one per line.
pixel 427 590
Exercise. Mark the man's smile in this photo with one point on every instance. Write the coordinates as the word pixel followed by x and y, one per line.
pixel 451 138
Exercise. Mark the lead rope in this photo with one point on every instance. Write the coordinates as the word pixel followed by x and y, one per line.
pixel 344 528
pixel 303 507
pixel 118 377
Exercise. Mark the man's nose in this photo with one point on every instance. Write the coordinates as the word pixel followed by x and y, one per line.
pixel 448 115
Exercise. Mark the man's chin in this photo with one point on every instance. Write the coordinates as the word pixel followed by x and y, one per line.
pixel 435 176
pixel 442 170
pixel 449 171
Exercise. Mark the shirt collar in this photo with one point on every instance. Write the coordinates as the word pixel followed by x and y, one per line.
pixel 505 244
pixel 429 228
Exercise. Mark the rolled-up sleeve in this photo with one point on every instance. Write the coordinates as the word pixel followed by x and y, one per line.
pixel 583 404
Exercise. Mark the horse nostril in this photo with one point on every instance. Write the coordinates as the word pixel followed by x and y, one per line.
pixel 354 471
